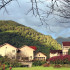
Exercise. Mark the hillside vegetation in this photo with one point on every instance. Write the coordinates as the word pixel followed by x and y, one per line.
pixel 19 35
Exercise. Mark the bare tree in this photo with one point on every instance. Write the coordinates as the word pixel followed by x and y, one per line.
pixel 50 7
pixel 59 8
pixel 3 3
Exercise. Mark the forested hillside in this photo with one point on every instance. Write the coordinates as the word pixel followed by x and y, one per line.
pixel 19 35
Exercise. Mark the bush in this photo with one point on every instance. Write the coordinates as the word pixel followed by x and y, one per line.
pixel 60 59
pixel 9 62
pixel 16 64
pixel 38 63
pixel 58 66
pixel 0 68
pixel 46 65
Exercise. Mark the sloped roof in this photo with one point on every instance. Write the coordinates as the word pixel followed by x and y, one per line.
pixel 56 51
pixel 66 43
pixel 6 44
pixel 33 47
pixel 41 53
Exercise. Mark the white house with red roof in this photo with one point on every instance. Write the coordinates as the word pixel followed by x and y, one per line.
pixel 65 47
pixel 26 53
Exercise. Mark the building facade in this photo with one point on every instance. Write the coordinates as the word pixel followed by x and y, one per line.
pixel 40 56
pixel 8 50
pixel 55 53
pixel 65 47
pixel 26 53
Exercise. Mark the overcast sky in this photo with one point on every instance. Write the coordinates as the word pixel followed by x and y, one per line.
pixel 18 13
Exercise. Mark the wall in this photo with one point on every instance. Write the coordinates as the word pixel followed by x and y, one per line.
pixel 8 50
pixel 54 54
pixel 65 50
pixel 39 56
pixel 27 52
pixel 29 64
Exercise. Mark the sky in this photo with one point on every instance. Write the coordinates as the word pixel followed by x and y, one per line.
pixel 17 12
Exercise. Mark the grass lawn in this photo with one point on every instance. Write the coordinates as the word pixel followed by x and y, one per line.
pixel 40 68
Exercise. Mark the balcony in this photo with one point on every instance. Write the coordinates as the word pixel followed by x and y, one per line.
pixel 19 58
pixel 39 58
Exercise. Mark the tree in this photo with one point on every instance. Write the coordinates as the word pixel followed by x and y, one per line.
pixel 69 52
pixel 55 7
pixel 3 3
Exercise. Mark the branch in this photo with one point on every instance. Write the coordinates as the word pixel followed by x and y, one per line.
pixel 4 3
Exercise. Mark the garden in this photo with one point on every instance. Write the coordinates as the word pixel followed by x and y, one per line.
pixel 55 63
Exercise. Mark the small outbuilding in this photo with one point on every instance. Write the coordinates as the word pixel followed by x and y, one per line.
pixel 55 53
pixel 40 56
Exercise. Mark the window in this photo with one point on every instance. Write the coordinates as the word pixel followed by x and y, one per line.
pixel 66 47
pixel 39 54
pixel 31 57
pixel 34 52
pixel 25 58
pixel 6 47
pixel 13 50
pixel 66 52
pixel 18 57
pixel 13 57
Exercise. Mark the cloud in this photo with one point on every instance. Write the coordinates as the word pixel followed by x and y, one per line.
pixel 18 14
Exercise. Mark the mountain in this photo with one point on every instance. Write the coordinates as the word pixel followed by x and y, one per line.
pixel 19 35
pixel 61 39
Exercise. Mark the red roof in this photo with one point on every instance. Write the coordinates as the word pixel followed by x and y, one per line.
pixel 66 43
pixel 56 51
pixel 33 47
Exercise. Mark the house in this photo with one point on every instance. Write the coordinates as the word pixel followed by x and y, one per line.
pixel 64 51
pixel 40 56
pixel 55 53
pixel 26 53
pixel 65 47
pixel 8 50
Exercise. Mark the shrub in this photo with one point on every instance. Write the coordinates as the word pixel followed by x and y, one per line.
pixel 60 59
pixel 38 63
pixel 16 64
pixel 57 66
pixel 46 65
pixel 0 68
pixel 8 62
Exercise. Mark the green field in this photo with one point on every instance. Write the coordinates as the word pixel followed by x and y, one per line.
pixel 40 68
